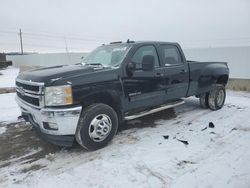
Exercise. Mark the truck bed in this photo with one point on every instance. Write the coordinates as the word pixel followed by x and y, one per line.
pixel 203 74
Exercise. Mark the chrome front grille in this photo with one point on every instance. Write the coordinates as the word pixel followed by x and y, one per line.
pixel 30 92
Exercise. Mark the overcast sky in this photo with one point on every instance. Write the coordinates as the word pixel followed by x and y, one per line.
pixel 81 25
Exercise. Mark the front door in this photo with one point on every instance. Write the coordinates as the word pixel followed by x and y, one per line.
pixel 144 88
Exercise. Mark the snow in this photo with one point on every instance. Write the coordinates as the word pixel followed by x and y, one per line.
pixel 142 157
pixel 2 130
pixel 7 79
pixel 9 110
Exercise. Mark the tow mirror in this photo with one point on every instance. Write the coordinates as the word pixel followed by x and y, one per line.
pixel 131 68
pixel 148 63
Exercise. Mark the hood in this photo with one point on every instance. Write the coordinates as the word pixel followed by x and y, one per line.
pixel 50 74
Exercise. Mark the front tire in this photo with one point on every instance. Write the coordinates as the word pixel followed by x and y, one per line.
pixel 97 126
pixel 216 97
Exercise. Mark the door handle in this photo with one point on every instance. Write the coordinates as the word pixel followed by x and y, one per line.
pixel 183 71
pixel 158 75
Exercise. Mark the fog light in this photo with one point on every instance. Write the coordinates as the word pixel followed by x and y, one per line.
pixel 50 126
pixel 53 126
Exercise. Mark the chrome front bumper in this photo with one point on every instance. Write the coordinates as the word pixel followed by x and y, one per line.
pixel 63 121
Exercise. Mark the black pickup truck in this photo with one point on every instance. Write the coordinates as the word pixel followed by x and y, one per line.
pixel 117 82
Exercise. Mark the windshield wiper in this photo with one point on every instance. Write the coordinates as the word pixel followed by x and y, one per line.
pixel 116 65
pixel 95 64
pixel 100 65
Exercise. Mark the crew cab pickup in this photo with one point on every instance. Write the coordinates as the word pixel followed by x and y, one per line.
pixel 86 102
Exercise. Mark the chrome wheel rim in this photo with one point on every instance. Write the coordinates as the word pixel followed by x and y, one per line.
pixel 220 98
pixel 100 127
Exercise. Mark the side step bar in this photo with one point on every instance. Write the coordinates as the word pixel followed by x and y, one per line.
pixel 144 113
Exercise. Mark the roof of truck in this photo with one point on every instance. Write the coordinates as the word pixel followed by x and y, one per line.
pixel 143 42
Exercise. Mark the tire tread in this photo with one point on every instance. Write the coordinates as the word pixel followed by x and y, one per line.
pixel 88 112
pixel 212 102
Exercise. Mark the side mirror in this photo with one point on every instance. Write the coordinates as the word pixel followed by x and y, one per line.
pixel 148 63
pixel 130 68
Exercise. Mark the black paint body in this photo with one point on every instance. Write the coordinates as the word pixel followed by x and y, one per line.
pixel 129 93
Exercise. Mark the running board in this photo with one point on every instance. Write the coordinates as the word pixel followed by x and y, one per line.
pixel 144 113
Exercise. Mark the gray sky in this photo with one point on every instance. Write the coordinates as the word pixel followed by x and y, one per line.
pixel 81 25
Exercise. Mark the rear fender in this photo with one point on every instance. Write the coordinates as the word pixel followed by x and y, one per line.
pixel 210 75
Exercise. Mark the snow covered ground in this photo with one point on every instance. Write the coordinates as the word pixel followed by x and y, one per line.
pixel 9 111
pixel 2 130
pixel 8 76
pixel 147 152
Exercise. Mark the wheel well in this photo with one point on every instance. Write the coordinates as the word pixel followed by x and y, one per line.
pixel 222 79
pixel 105 98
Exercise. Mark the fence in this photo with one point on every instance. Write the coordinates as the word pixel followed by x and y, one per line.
pixel 45 60
pixel 238 58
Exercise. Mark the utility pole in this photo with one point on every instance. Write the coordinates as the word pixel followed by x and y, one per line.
pixel 66 45
pixel 21 40
pixel 67 50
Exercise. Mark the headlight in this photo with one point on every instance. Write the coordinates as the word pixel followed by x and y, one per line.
pixel 58 95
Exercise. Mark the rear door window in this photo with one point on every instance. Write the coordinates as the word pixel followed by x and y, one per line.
pixel 171 55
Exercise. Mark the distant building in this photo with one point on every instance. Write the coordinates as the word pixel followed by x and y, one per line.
pixel 3 62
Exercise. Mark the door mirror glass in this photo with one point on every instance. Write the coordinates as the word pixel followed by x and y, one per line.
pixel 131 68
pixel 148 63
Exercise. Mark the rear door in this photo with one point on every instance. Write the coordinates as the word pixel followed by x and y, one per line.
pixel 175 71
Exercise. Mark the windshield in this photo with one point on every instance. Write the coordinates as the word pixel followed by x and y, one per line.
pixel 107 56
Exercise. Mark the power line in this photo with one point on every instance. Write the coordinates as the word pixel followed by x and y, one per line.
pixel 8 32
pixel 9 43
pixel 36 36
pixel 53 37
pixel 34 39
pixel 98 38
pixel 61 38
pixel 39 45
pixel 62 35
